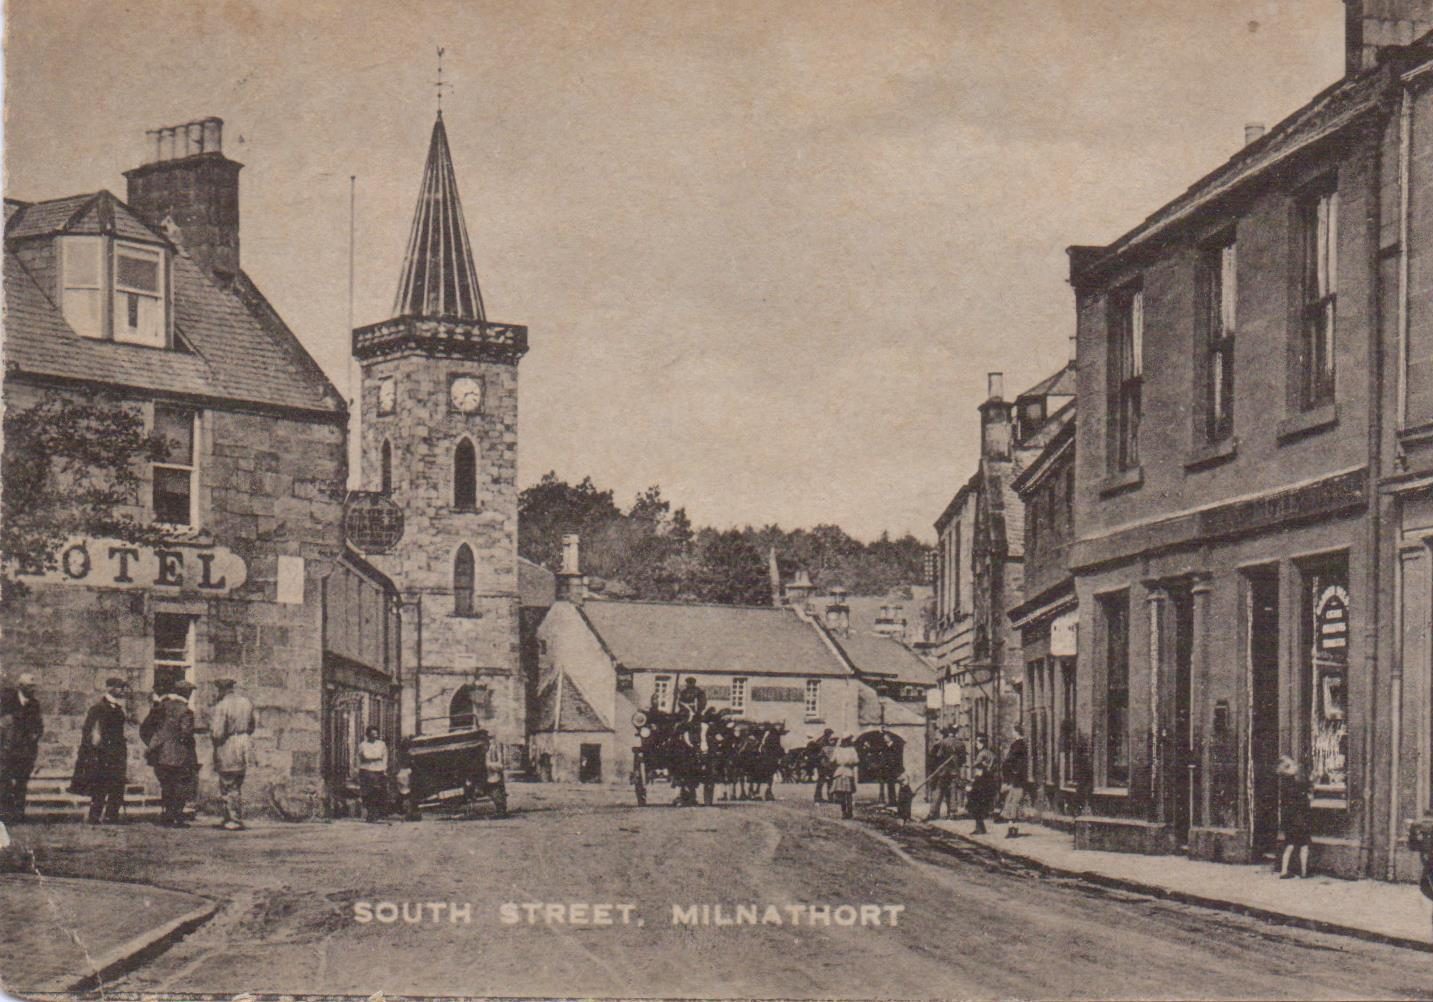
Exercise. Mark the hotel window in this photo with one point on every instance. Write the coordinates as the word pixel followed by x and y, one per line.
pixel 174 477
pixel 465 476
pixel 138 312
pixel 463 581
pixel 738 694
pixel 1116 719
pixel 1318 246
pixel 1219 289
pixel 661 691
pixel 813 699
pixel 173 650
pixel 1126 367
pixel 139 295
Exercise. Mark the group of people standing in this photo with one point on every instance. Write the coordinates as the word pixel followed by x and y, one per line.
pixel 988 779
pixel 102 760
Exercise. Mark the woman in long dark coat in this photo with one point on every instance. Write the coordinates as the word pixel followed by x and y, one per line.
pixel 984 784
pixel 100 764
pixel 169 732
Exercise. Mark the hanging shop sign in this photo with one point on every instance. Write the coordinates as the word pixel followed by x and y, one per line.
pixel 113 563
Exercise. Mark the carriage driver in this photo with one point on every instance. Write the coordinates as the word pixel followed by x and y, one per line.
pixel 691 703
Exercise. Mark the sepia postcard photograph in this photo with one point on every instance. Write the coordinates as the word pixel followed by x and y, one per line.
pixel 716 499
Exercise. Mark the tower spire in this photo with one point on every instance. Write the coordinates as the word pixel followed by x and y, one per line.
pixel 438 277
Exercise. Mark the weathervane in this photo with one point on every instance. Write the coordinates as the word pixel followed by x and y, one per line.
pixel 438 84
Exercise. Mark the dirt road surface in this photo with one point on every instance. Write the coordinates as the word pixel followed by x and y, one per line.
pixel 295 899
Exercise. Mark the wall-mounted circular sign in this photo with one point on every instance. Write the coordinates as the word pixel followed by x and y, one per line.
pixel 372 522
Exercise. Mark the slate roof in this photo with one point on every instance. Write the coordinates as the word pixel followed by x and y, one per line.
pixel 438 277
pixel 888 659
pixel 536 585
pixel 1329 112
pixel 239 348
pixel 577 712
pixel 678 638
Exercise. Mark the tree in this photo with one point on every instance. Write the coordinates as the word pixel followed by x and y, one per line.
pixel 71 467
pixel 732 571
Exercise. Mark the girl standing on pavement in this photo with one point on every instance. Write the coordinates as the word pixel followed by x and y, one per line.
pixel 1295 815
pixel 984 784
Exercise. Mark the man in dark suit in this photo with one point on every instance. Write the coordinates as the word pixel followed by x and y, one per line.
pixel 169 733
pixel 100 766
pixel 20 728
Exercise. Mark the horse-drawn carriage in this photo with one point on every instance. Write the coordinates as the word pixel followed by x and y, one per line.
pixel 704 750
pixel 461 768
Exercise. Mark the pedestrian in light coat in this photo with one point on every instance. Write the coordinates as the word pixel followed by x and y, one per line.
pixel 373 775
pixel 102 760
pixel 843 784
pixel 231 722
pixel 169 733
pixel 21 726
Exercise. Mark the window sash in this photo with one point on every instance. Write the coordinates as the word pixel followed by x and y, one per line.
pixel 1117 750
pixel 813 699
pixel 1320 300
pixel 1127 365
pixel 738 694
pixel 173 649
pixel 661 690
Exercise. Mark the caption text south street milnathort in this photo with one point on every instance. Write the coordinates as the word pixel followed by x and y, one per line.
pixel 614 914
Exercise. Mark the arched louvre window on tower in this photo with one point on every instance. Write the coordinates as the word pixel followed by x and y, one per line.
pixel 465 476
pixel 386 460
pixel 463 581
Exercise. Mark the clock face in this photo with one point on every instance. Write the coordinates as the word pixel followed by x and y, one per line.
pixel 467 394
pixel 387 396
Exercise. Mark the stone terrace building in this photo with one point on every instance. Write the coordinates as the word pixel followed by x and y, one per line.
pixel 147 300
pixel 1253 389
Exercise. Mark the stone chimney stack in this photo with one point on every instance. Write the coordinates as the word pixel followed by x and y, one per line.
pixel 1253 132
pixel 838 613
pixel 1373 25
pixel 995 420
pixel 187 179
pixel 571 585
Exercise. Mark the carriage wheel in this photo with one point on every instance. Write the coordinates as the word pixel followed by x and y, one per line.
pixel 639 782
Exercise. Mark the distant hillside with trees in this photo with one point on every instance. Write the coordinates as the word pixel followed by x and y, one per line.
pixel 650 550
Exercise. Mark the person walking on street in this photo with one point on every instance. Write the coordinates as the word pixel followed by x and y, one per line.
pixel 1015 773
pixel 230 724
pixel 984 784
pixel 1296 816
pixel 21 726
pixel 947 761
pixel 843 784
pixel 168 732
pixel 101 764
pixel 373 775
pixel 820 751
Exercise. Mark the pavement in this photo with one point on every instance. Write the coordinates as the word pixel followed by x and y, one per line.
pixel 515 907
pixel 1370 909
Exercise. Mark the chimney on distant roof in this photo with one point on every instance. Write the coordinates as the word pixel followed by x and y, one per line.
pixel 995 419
pixel 838 613
pixel 571 585
pixel 1253 132
pixel 1370 26
pixel 186 178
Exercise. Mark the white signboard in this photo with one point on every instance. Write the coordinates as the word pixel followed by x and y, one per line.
pixel 113 563
pixel 1065 635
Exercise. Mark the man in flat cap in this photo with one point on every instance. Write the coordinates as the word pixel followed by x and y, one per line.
pixel 169 733
pixel 100 766
pixel 230 724
pixel 20 728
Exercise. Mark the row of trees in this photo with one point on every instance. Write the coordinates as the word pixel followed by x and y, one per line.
pixel 652 551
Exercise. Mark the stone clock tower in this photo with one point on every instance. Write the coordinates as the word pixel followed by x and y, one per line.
pixel 439 437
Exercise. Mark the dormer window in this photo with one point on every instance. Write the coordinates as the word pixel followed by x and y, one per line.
pixel 129 278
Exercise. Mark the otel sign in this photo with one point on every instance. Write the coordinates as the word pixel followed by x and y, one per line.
pixel 113 563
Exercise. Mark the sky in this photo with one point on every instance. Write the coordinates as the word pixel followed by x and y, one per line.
pixel 766 251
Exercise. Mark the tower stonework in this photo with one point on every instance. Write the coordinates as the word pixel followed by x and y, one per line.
pixel 439 404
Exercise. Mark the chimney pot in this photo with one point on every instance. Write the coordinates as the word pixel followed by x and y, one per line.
pixel 199 196
pixel 570 553
pixel 1253 131
pixel 995 385
pixel 213 135
pixel 152 149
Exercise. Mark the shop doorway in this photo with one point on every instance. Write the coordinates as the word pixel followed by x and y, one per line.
pixel 1263 641
pixel 589 764
pixel 1179 751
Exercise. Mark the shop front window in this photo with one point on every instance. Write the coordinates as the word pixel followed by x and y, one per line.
pixel 1325 681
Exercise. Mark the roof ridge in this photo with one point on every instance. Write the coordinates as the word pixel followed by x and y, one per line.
pixel 684 605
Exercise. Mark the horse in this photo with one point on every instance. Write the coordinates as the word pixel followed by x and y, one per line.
pixel 882 760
